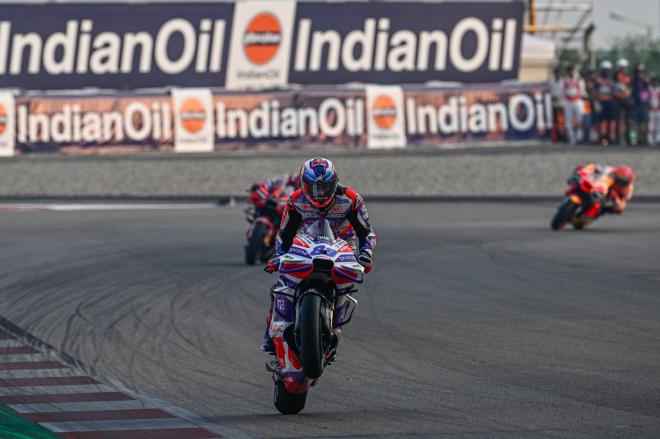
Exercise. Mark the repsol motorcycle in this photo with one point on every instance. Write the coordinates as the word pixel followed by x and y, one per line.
pixel 263 214
pixel 583 202
pixel 312 302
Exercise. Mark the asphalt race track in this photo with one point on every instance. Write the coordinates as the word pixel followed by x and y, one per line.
pixel 477 321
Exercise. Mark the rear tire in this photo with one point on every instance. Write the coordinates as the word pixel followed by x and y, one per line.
pixel 311 347
pixel 288 403
pixel 564 214
pixel 254 245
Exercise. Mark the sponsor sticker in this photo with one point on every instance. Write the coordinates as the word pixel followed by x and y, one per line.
pixel 260 44
pixel 386 127
pixel 6 124
pixel 193 120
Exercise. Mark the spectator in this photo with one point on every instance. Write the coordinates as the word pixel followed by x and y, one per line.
pixel 572 91
pixel 591 85
pixel 605 96
pixel 622 101
pixel 654 137
pixel 556 92
pixel 641 93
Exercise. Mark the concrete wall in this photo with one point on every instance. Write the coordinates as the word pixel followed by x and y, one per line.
pixel 496 171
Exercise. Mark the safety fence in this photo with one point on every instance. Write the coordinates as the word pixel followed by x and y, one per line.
pixel 201 120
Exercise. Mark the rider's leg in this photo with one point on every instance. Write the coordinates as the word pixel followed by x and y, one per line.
pixel 267 344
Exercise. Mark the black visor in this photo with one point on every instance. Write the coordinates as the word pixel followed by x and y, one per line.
pixel 319 190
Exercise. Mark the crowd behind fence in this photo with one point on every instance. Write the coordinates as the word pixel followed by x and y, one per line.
pixel 614 104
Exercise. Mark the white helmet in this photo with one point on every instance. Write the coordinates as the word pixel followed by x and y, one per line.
pixel 606 65
pixel 622 63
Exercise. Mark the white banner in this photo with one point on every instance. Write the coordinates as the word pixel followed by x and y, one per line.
pixel 193 118
pixel 6 124
pixel 260 44
pixel 385 115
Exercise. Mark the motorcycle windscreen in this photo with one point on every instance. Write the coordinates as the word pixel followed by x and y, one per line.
pixel 320 228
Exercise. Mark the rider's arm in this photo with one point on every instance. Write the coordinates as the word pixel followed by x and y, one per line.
pixel 291 220
pixel 359 219
pixel 631 189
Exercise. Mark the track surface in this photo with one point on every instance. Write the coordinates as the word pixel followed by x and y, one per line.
pixel 477 322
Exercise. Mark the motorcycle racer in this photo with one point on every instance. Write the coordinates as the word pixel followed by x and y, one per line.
pixel 259 193
pixel 618 180
pixel 322 197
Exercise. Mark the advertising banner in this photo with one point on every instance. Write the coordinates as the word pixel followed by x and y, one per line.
pixel 193 120
pixel 290 119
pixel 477 113
pixel 406 42
pixel 6 124
pixel 385 116
pixel 257 44
pixel 94 124
pixel 113 45
pixel 261 35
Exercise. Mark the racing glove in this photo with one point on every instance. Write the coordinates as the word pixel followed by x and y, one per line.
pixel 365 260
pixel 272 265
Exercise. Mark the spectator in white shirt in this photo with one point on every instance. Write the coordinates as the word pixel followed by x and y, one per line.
pixel 573 90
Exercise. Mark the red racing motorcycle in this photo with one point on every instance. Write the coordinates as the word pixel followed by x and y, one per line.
pixel 583 202
pixel 263 213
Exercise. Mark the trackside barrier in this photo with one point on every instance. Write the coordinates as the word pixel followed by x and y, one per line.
pixel 199 120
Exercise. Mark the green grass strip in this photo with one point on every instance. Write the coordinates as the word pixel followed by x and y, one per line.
pixel 13 426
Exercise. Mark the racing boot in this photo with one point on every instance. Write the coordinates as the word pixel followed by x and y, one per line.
pixel 267 345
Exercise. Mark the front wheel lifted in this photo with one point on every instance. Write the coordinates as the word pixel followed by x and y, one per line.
pixel 311 347
pixel 288 403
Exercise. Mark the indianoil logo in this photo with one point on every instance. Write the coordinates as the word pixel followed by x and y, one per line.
pixel 3 120
pixel 383 111
pixel 193 115
pixel 262 38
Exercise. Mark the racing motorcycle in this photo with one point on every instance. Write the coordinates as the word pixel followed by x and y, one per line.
pixel 316 279
pixel 583 202
pixel 263 215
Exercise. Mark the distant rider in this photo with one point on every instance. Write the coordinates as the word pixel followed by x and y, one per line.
pixel 320 196
pixel 260 193
pixel 619 181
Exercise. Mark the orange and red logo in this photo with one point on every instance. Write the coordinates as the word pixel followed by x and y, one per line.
pixel 3 120
pixel 193 115
pixel 384 112
pixel 262 38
